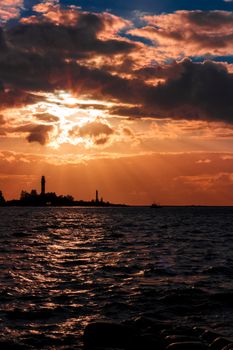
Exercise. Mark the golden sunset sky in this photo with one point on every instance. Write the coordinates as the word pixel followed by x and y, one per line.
pixel 135 101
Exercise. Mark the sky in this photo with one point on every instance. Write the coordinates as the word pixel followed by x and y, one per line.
pixel 133 98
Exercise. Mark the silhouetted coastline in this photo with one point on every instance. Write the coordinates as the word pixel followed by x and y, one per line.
pixel 61 201
pixel 45 199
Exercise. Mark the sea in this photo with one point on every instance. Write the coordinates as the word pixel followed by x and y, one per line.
pixel 62 268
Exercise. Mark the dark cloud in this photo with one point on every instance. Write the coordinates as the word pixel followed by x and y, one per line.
pixel 14 97
pixel 37 55
pixel 31 71
pixel 209 19
pixel 36 133
pixel 169 71
pixel 98 131
pixel 77 40
pixel 123 66
pixel 95 129
pixel 46 117
pixel 210 41
pixel 134 112
pixel 3 45
pixel 40 134
pixel 202 91
pixel 191 90
pixel 194 91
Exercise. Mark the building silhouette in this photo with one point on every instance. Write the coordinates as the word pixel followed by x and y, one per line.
pixel 43 185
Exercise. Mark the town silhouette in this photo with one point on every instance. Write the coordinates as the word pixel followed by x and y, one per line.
pixel 52 199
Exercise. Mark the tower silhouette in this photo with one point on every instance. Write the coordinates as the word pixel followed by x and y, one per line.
pixel 97 196
pixel 43 185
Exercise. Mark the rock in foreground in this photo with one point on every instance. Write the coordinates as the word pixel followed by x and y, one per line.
pixel 144 334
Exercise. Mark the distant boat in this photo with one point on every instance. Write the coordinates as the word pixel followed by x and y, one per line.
pixel 155 206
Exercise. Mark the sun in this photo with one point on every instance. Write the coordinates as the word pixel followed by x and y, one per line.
pixel 70 113
pixel 67 98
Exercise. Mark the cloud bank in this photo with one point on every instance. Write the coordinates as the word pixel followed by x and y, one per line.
pixel 91 55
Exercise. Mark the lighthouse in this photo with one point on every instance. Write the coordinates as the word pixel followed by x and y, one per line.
pixel 42 185
pixel 97 196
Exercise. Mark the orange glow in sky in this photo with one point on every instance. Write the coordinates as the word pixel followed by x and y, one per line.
pixel 140 108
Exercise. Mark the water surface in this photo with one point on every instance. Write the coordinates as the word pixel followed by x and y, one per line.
pixel 60 268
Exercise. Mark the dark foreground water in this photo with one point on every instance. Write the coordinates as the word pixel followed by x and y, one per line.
pixel 60 268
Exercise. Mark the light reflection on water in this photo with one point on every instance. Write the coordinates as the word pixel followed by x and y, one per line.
pixel 62 267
